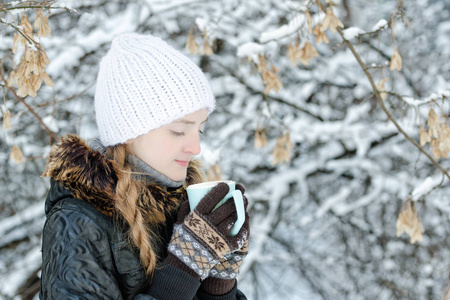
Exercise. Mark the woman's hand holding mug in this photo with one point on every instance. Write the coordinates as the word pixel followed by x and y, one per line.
pixel 202 237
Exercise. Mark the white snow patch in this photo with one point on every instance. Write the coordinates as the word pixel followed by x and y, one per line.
pixel 427 186
pixel 31 213
pixel 380 25
pixel 285 30
pixel 24 267
pixel 352 32
pixel 51 123
pixel 250 50
pixel 201 24
pixel 331 202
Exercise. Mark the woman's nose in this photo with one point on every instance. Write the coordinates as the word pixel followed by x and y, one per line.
pixel 193 144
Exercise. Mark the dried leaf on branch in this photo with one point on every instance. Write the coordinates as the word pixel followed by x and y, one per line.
pixel 396 61
pixel 440 135
pixel 191 44
pixel 260 137
pixel 331 21
pixel 435 149
pixel 18 39
pixel 206 49
pixel 41 24
pixel 444 140
pixel 303 55
pixel 262 64
pixel 16 155
pixel 269 76
pixel 309 21
pixel 434 124
pixel 424 136
pixel 7 120
pixel 31 72
pixel 381 89
pixel 293 53
pixel 26 26
pixel 271 80
pixel 27 30
pixel 32 64
pixel 409 222
pixel 320 34
pixel 11 78
pixel 282 151
pixel 307 53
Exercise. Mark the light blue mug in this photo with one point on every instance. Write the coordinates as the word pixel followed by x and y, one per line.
pixel 196 192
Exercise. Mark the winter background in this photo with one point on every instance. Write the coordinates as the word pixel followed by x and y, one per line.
pixel 323 223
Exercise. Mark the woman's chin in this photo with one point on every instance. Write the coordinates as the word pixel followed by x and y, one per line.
pixel 179 176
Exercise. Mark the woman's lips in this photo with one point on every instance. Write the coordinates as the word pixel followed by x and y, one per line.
pixel 183 163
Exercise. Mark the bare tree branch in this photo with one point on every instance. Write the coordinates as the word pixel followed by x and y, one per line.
pixel 381 102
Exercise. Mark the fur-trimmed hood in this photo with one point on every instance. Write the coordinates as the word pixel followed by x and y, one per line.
pixel 91 176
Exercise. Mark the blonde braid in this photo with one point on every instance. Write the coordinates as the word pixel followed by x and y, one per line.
pixel 127 194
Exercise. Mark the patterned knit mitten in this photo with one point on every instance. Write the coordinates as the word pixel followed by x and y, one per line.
pixel 228 266
pixel 222 277
pixel 202 238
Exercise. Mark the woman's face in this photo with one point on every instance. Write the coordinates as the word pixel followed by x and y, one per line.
pixel 169 149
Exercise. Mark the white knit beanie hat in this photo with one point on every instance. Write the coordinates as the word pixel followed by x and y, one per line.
pixel 142 84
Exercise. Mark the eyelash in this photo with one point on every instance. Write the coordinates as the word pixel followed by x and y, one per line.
pixel 176 133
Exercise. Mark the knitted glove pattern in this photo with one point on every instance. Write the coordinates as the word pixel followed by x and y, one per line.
pixel 228 266
pixel 203 237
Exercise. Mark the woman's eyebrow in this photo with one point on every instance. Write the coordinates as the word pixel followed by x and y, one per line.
pixel 187 122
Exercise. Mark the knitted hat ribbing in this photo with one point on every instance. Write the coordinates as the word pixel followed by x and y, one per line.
pixel 142 84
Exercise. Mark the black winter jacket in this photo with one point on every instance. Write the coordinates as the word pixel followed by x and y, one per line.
pixel 85 252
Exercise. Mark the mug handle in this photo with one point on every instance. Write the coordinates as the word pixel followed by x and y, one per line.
pixel 239 203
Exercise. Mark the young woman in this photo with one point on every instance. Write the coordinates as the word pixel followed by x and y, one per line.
pixel 118 222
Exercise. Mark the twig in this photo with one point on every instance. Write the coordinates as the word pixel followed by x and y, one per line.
pixel 28 38
pixel 33 6
pixel 67 98
pixel 276 99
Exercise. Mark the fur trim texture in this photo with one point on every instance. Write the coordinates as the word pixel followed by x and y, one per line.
pixel 92 177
